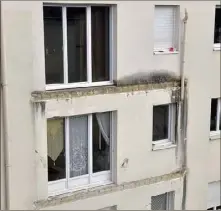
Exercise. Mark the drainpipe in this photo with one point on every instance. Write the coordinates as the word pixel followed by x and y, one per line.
pixel 182 118
pixel 183 56
pixel 4 122
pixel 180 129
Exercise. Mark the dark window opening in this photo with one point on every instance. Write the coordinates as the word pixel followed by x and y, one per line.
pixel 77 44
pixel 53 39
pixel 76 69
pixel 220 120
pixel 213 115
pixel 218 207
pixel 160 122
pixel 100 43
pixel 217 33
pixel 101 142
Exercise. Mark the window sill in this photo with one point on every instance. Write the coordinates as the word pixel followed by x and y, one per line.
pixel 101 190
pixel 165 52
pixel 52 87
pixel 217 47
pixel 80 188
pixel 215 136
pixel 168 145
pixel 66 94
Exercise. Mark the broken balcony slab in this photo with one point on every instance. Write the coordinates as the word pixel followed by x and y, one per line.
pixel 101 190
pixel 42 96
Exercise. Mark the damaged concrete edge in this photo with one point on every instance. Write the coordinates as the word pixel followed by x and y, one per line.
pixel 101 190
pixel 43 96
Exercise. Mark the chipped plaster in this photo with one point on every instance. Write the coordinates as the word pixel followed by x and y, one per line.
pixel 101 190
pixel 41 96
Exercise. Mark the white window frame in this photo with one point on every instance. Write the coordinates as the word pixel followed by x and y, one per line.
pixel 89 82
pixel 218 119
pixel 217 46
pixel 88 180
pixel 170 200
pixel 158 50
pixel 171 128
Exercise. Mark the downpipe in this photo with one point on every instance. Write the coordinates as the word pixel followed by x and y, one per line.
pixel 4 119
pixel 182 110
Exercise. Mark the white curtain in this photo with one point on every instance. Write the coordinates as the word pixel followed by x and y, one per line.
pixel 55 137
pixel 78 128
pixel 103 120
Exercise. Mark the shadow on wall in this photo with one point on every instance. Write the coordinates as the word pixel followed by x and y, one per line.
pixel 158 76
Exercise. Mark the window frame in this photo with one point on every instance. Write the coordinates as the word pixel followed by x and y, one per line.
pixel 172 118
pixel 88 180
pixel 170 199
pixel 176 10
pixel 216 46
pixel 218 118
pixel 89 82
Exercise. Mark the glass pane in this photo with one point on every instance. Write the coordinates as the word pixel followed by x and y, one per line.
pixel 76 38
pixel 101 142
pixel 100 43
pixel 53 45
pixel 160 122
pixel 56 149
pixel 217 34
pixel 159 202
pixel 78 146
pixel 213 114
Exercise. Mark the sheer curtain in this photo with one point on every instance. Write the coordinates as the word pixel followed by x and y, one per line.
pixel 55 137
pixel 103 120
pixel 78 145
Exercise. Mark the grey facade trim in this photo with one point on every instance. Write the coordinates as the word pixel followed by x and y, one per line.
pixel 101 190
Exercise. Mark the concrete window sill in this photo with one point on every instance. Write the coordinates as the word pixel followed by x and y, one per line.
pixel 215 136
pixel 165 52
pixel 43 96
pixel 157 147
pixel 101 190
pixel 217 47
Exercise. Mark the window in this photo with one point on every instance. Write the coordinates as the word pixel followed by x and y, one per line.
pixel 215 208
pixel 217 30
pixel 164 124
pixel 79 151
pixel 215 116
pixel 166 29
pixel 110 208
pixel 163 202
pixel 78 43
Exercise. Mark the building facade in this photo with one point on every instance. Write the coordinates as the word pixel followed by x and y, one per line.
pixel 95 112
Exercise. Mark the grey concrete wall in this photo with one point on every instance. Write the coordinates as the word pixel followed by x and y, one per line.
pixel 24 66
